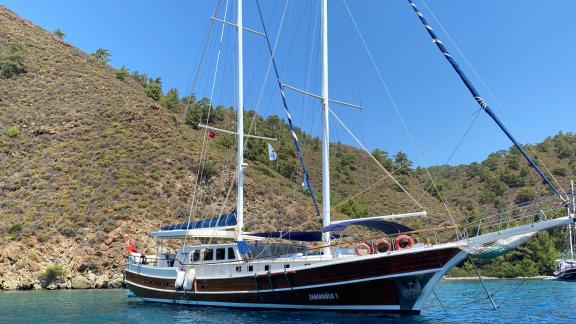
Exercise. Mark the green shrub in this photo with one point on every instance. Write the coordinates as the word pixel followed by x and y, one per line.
pixel 12 132
pixel 141 78
pixel 123 73
pixel 53 273
pixel 15 229
pixel 354 208
pixel 512 180
pixel 32 256
pixel 12 60
pixel 559 172
pixel 207 172
pixel 525 195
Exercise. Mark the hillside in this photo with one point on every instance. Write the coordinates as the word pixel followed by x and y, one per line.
pixel 86 157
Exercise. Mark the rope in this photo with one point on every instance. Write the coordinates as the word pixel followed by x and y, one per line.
pixel 202 161
pixel 496 100
pixel 395 106
pixel 286 110
pixel 479 98
pixel 376 160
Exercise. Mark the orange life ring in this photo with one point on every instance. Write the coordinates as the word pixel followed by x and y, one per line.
pixel 383 246
pixel 362 246
pixel 400 239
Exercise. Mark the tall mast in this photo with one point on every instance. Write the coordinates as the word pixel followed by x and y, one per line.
pixel 240 130
pixel 570 226
pixel 325 131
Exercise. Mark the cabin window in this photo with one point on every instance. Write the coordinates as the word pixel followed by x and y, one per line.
pixel 220 254
pixel 239 269
pixel 266 267
pixel 286 266
pixel 208 255
pixel 231 255
pixel 196 255
pixel 250 268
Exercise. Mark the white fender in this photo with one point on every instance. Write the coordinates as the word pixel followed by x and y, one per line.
pixel 179 279
pixel 189 281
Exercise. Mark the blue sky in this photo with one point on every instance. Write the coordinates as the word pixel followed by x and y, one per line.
pixel 524 50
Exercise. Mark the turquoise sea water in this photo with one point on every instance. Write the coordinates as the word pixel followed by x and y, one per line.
pixel 520 301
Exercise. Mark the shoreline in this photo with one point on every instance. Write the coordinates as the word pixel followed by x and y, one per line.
pixel 122 286
pixel 496 278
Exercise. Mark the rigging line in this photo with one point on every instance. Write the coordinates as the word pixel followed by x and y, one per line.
pixel 438 141
pixel 485 85
pixel 359 193
pixel 394 105
pixel 200 171
pixel 479 98
pixel 309 55
pixel 464 136
pixel 200 63
pixel 269 67
pixel 294 38
pixel 260 53
pixel 266 75
pixel 285 104
pixel 374 158
pixel 198 69
pixel 306 148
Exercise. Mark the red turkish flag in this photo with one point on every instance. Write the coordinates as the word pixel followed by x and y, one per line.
pixel 129 245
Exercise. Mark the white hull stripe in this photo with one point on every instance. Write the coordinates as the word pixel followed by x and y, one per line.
pixel 278 306
pixel 413 273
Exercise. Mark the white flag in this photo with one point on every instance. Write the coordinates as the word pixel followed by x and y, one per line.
pixel 271 153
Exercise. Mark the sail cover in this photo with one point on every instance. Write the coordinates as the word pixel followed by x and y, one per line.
pixel 311 236
pixel 377 224
pixel 224 220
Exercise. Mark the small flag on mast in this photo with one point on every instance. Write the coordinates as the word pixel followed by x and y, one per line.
pixel 271 153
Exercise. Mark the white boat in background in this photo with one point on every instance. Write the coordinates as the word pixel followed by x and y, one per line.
pixel 566 268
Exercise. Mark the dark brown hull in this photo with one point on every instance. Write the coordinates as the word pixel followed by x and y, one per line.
pixel 391 284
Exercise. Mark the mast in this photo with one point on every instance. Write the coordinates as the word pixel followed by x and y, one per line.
pixel 240 130
pixel 570 225
pixel 325 132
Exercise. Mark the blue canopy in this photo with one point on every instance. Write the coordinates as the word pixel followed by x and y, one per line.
pixel 219 221
pixel 377 224
pixel 243 247
pixel 311 236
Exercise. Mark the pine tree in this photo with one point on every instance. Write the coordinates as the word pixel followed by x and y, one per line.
pixel 60 34
pixel 171 100
pixel 102 55
pixel 154 89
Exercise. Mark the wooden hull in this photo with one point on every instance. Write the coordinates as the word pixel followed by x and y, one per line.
pixel 382 283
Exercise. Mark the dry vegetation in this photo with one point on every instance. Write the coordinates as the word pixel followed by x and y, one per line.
pixel 86 156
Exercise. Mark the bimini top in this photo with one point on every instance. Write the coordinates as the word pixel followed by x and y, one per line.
pixel 222 221
pixel 372 223
pixel 310 236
